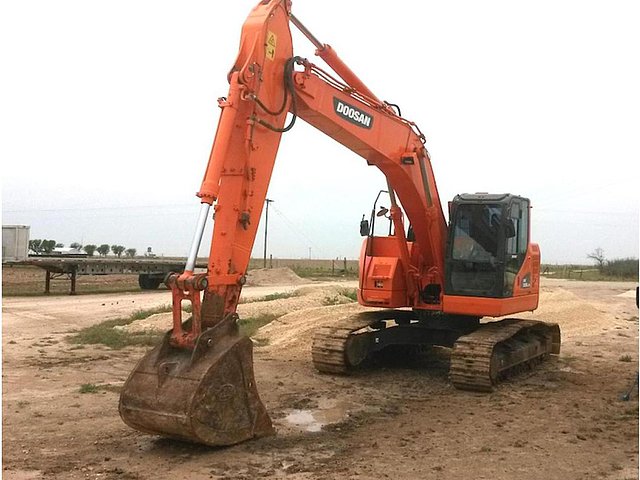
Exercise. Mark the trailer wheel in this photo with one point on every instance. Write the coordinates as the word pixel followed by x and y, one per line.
pixel 147 282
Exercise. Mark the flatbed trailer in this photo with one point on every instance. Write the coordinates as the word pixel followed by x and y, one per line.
pixel 151 271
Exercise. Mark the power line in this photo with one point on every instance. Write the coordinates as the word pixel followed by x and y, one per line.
pixel 585 212
pixel 123 207
pixel 297 231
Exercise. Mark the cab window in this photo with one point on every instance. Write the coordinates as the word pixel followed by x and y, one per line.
pixel 475 233
pixel 517 244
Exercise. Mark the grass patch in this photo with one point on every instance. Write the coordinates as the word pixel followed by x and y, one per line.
pixel 104 333
pixel 350 293
pixel 344 295
pixel 142 314
pixel 272 296
pixel 331 300
pixel 250 325
pixel 93 388
pixel 625 358
pixel 88 388
pixel 319 273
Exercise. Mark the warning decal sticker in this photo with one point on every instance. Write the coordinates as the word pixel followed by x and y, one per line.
pixel 270 47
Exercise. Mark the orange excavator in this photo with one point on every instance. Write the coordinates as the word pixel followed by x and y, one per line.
pixel 431 282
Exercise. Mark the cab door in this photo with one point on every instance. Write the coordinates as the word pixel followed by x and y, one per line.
pixel 475 253
pixel 517 243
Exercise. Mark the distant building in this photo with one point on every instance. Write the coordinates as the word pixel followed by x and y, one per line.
pixel 66 251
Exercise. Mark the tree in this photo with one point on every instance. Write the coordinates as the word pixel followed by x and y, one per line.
pixel 598 256
pixel 48 245
pixel 90 249
pixel 117 250
pixel 76 245
pixel 103 249
pixel 35 245
pixel 130 252
pixel 59 245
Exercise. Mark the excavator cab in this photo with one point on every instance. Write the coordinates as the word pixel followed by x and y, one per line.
pixel 487 244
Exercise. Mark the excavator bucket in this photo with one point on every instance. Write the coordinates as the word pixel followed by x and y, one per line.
pixel 205 395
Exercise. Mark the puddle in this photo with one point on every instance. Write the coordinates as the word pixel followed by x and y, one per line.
pixel 328 411
pixel 304 419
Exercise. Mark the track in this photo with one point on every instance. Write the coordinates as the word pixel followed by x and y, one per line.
pixel 499 349
pixel 479 360
pixel 335 350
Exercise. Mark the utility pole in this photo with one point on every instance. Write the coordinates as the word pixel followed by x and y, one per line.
pixel 266 224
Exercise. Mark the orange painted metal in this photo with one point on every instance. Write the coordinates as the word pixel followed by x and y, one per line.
pixel 531 268
pixel 490 307
pixel 383 279
pixel 186 287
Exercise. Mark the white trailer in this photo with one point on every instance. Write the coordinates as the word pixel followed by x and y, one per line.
pixel 15 243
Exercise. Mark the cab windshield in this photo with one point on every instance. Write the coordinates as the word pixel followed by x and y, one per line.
pixel 475 235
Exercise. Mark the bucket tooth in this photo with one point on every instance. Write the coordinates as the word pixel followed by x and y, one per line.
pixel 206 395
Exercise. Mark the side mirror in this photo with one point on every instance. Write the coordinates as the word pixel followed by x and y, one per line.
pixel 364 227
pixel 509 229
pixel 382 212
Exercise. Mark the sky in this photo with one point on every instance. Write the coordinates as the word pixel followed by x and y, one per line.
pixel 108 111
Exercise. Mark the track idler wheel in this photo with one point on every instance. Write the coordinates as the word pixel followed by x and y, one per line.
pixel 205 395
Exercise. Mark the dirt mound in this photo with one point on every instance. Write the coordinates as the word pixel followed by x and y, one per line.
pixel 159 322
pixel 302 300
pixel 273 276
pixel 293 332
pixel 575 315
pixel 310 307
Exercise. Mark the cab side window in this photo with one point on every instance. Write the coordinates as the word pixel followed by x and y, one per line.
pixel 517 245
pixel 523 228
pixel 516 250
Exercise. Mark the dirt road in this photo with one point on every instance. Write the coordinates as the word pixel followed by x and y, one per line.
pixel 392 420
